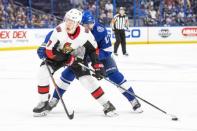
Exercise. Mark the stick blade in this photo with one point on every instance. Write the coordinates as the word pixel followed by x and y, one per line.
pixel 71 116
pixel 173 117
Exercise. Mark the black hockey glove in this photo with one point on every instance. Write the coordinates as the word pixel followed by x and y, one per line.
pixel 99 71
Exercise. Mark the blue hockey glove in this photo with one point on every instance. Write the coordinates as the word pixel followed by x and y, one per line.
pixel 41 52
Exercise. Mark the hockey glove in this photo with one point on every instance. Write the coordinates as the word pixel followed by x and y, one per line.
pixel 41 52
pixel 99 71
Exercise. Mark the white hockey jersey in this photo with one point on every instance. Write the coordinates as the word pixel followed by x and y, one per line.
pixel 61 39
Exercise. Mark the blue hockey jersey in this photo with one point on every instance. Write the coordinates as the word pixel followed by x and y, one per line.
pixel 103 41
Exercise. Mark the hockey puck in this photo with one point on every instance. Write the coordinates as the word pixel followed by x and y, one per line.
pixel 175 119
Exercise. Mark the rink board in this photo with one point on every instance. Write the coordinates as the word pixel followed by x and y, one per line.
pixel 22 39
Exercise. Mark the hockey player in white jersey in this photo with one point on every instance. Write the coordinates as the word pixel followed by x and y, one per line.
pixel 63 45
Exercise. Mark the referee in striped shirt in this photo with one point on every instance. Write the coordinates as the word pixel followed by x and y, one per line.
pixel 119 23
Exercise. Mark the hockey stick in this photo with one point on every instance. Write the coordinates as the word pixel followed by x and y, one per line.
pixel 70 116
pixel 173 117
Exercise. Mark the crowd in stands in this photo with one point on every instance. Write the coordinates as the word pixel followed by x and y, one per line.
pixel 17 16
pixel 170 12
pixel 145 12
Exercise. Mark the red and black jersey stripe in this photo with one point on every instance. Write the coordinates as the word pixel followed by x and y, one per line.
pixel 98 93
pixel 43 89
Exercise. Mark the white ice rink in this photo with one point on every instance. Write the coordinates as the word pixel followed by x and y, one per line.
pixel 165 75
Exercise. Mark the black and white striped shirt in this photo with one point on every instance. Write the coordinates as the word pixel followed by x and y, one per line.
pixel 120 22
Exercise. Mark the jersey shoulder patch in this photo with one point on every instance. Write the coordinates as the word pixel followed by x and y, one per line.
pixel 100 29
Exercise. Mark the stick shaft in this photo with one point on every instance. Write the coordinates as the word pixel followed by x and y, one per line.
pixel 70 116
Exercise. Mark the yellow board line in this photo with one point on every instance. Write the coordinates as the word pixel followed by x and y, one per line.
pixel 18 48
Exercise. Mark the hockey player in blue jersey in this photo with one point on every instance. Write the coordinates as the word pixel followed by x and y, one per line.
pixel 105 51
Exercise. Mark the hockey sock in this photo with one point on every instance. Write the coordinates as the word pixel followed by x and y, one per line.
pixel 99 95
pixel 129 96
pixel 66 78
pixel 119 79
pixel 61 91
pixel 93 87
pixel 43 92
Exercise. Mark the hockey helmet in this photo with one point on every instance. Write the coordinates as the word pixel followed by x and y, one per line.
pixel 74 15
pixel 88 18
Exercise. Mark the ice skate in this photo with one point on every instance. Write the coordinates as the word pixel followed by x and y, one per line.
pixel 41 109
pixel 126 54
pixel 53 103
pixel 116 54
pixel 136 106
pixel 109 110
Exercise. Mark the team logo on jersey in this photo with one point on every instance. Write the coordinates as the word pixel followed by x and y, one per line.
pixel 67 48
pixel 100 29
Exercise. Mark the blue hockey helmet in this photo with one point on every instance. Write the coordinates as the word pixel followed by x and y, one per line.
pixel 87 18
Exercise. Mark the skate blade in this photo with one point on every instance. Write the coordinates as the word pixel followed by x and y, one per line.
pixel 111 114
pixel 138 111
pixel 42 114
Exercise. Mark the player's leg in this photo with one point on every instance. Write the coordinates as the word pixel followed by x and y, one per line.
pixel 97 92
pixel 43 87
pixel 43 91
pixel 123 42
pixel 91 84
pixel 63 82
pixel 114 75
pixel 117 42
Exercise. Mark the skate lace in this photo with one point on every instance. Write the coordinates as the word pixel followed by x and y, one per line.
pixel 53 102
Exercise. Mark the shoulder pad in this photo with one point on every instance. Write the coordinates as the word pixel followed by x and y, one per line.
pixel 58 29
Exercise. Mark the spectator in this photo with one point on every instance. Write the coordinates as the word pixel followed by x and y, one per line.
pixel 20 18
pixel 36 23
pixel 52 21
pixel 108 6
pixel 152 12
pixel 103 17
pixel 109 17
pixel 93 8
pixel 76 3
pixel 169 2
pixel 44 22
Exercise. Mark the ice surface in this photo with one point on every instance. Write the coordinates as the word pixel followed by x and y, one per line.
pixel 165 75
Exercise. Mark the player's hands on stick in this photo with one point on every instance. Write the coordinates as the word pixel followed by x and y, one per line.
pixel 99 71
